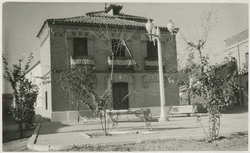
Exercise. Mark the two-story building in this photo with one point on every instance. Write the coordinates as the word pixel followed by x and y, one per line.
pixel 67 42
pixel 237 47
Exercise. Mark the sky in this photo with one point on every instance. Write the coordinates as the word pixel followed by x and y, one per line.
pixel 22 21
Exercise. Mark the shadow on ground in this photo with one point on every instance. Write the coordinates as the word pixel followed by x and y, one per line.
pixel 235 110
pixel 10 131
pixel 51 127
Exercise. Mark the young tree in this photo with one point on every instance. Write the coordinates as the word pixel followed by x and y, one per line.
pixel 24 93
pixel 78 81
pixel 206 80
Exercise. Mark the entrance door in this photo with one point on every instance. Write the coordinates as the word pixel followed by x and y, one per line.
pixel 120 90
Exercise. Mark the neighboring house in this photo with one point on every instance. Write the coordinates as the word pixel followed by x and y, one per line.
pixel 68 42
pixel 225 68
pixel 7 102
pixel 34 75
pixel 237 46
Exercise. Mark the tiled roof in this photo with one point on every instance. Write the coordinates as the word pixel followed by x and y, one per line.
pixel 102 18
pixel 236 39
pixel 105 17
pixel 103 14
pixel 97 20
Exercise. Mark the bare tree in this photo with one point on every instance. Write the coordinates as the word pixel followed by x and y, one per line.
pixel 106 35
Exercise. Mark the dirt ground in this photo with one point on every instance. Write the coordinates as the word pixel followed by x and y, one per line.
pixel 227 142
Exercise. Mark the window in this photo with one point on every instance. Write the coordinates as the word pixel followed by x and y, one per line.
pixel 247 87
pixel 80 47
pixel 46 100
pixel 246 56
pixel 118 48
pixel 152 52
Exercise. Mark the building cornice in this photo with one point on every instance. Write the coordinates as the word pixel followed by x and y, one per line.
pixel 116 71
pixel 235 45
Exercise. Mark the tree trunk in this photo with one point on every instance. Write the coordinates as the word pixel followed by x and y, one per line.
pixel 112 66
pixel 105 128
pixel 78 117
pixel 25 130
pixel 21 128
pixel 214 123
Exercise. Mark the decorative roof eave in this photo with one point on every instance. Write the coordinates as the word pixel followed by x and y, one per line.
pixel 245 33
pixel 130 24
pixel 236 39
pixel 97 25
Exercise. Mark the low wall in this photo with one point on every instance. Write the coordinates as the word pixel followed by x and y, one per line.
pixel 72 116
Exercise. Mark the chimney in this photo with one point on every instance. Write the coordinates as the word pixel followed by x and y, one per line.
pixel 113 9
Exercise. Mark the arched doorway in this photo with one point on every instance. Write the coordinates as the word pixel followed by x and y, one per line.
pixel 120 90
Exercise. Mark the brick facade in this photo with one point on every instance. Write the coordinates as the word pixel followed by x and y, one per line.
pixel 57 49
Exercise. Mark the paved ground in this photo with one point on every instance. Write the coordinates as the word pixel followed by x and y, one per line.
pixel 57 134
pixel 54 134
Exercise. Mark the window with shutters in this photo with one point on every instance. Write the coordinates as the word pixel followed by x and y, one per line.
pixel 118 48
pixel 80 47
pixel 152 53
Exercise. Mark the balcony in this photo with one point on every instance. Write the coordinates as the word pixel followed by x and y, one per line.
pixel 151 63
pixel 122 63
pixel 81 60
pixel 244 68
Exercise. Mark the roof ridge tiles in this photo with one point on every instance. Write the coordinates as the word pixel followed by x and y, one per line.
pixel 67 18
pixel 94 12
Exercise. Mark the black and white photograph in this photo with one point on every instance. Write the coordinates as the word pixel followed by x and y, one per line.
pixel 113 76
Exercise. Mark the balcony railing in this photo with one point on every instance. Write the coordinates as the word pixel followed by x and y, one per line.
pixel 81 60
pixel 244 68
pixel 152 63
pixel 122 63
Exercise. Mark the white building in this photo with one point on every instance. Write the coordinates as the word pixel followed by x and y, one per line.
pixel 34 74
pixel 237 46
